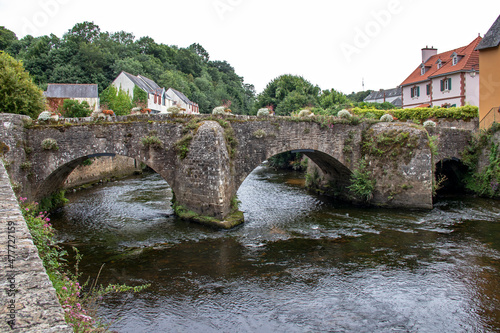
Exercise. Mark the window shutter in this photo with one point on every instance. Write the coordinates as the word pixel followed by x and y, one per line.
pixel 418 91
pixel 449 84
pixel 442 85
pixel 428 89
pixel 412 93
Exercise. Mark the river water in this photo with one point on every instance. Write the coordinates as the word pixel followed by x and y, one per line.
pixel 299 263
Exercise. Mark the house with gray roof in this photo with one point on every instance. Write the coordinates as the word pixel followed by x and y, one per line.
pixel 392 96
pixel 159 99
pixel 56 93
pixel 183 102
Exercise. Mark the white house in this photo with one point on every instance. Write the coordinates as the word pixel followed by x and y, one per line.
pixel 445 79
pixel 182 101
pixel 57 92
pixel 392 96
pixel 158 101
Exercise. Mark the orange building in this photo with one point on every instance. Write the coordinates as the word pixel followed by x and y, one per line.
pixel 489 82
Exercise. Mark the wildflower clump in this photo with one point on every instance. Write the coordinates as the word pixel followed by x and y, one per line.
pixel 80 308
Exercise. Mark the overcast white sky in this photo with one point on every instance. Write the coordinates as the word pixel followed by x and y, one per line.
pixel 334 44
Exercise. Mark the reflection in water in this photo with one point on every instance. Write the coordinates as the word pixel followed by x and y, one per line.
pixel 298 264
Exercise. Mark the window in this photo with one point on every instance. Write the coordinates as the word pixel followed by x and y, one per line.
pixel 422 69
pixel 446 84
pixel 455 60
pixel 415 92
pixel 428 89
pixel 439 63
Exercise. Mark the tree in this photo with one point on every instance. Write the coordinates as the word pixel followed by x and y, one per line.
pixel 140 96
pixel 359 96
pixel 200 51
pixel 6 37
pixel 332 98
pixel 18 93
pixel 74 109
pixel 117 100
pixel 304 94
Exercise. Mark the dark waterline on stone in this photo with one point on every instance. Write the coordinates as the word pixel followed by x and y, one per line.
pixel 298 264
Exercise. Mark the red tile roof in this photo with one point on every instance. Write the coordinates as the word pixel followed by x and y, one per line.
pixel 469 60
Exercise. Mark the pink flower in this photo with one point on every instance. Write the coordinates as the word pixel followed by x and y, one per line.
pixel 64 288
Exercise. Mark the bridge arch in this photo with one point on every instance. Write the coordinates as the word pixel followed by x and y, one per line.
pixel 449 176
pixel 55 178
pixel 331 168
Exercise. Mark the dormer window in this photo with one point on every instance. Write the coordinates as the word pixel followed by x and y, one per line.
pixel 439 63
pixel 422 69
pixel 454 57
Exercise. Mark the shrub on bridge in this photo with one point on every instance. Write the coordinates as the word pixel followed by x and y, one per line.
pixel 344 114
pixel 174 109
pixel 263 112
pixel 50 144
pixel 220 110
pixel 75 109
pixel 387 118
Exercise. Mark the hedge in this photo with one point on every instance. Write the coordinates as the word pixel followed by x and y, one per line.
pixel 464 113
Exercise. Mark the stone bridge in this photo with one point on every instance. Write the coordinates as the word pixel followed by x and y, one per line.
pixel 205 159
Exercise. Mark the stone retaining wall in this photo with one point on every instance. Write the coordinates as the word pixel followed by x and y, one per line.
pixel 28 301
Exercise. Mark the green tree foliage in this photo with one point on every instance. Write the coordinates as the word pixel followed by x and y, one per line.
pixel 117 100
pixel 359 96
pixel 331 98
pixel 85 54
pixel 18 93
pixel 75 109
pixel 302 94
pixel 140 96
pixel 6 38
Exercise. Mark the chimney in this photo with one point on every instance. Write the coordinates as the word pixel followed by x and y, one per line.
pixel 428 52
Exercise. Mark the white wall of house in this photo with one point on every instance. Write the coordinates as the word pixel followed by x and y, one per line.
pixel 412 102
pixel 472 89
pixel 123 82
pixel 93 102
pixel 450 96
pixel 161 105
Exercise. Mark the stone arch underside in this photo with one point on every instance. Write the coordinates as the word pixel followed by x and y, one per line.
pixel 55 180
pixel 333 170
pixel 449 176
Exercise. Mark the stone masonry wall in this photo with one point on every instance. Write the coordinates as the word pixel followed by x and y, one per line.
pixel 28 302
pixel 102 168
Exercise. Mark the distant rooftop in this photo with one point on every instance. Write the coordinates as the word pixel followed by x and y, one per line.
pixel 380 94
pixel 492 37
pixel 68 90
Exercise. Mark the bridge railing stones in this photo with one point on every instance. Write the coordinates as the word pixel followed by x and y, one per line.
pixel 28 301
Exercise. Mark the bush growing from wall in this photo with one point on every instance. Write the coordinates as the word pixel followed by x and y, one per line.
pixel 75 109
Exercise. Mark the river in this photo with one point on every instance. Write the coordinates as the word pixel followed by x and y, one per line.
pixel 299 263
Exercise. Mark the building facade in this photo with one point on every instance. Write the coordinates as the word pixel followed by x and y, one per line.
pixel 489 83
pixel 56 93
pixel 446 79
pixel 157 100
